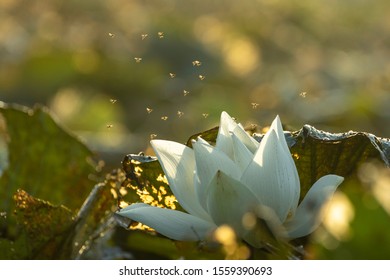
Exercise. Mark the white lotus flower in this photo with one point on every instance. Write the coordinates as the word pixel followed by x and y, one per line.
pixel 239 176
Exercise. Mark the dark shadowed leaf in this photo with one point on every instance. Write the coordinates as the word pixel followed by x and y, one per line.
pixel 95 222
pixel 317 153
pixel 208 135
pixel 151 245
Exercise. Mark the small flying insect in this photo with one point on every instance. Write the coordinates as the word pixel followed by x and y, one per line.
pixel 303 94
pixel 149 110
pixel 255 105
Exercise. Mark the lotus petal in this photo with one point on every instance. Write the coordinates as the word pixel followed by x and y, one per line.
pixel 242 155
pixel 171 223
pixel 208 161
pixel 267 227
pixel 245 138
pixel 277 127
pixel 228 201
pixel 224 142
pixel 270 176
pixel 178 163
pixel 307 217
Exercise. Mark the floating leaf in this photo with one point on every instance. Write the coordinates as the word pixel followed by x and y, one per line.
pixel 44 226
pixel 44 160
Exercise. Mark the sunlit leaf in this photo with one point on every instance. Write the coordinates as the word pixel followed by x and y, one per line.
pixel 146 182
pixel 44 226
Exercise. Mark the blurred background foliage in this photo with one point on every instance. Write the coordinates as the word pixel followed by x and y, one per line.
pixel 117 73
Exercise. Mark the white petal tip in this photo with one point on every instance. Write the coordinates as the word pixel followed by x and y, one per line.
pixel 331 180
pixel 225 114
